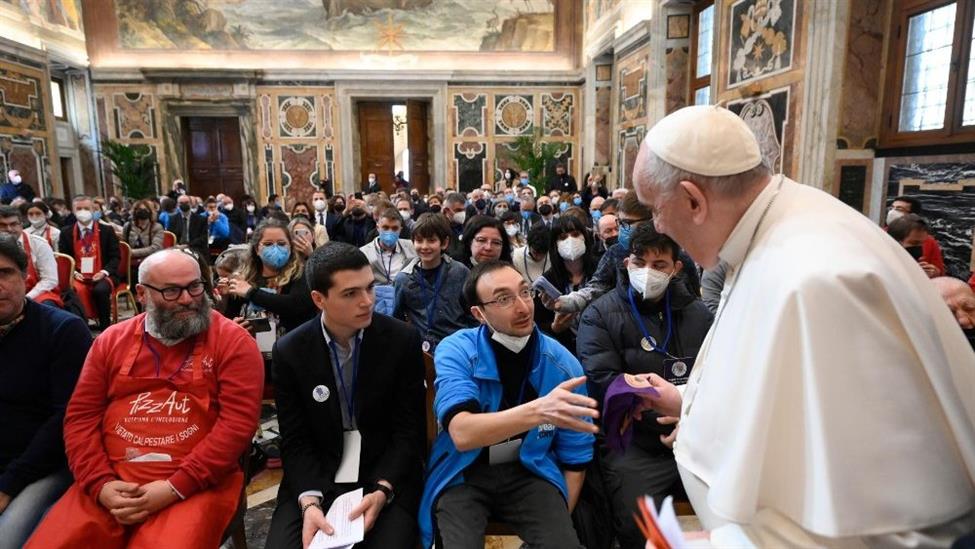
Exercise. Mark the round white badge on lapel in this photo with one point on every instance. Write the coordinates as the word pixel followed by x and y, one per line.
pixel 320 393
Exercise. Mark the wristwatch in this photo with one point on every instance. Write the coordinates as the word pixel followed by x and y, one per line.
pixel 388 492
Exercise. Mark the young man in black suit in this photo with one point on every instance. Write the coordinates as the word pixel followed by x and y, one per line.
pixel 189 227
pixel 351 409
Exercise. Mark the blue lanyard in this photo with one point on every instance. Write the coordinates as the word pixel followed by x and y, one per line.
pixel 432 307
pixel 643 329
pixel 349 398
pixel 382 262
pixel 158 359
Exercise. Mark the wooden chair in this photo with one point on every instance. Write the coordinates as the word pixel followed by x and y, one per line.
pixel 65 271
pixel 169 239
pixel 122 289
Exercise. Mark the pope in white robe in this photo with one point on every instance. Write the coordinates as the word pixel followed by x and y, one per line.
pixel 833 401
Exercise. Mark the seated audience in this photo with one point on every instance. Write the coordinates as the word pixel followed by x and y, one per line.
pixel 648 324
pixel 512 226
pixel 455 210
pixel 336 209
pixel 218 227
pixel 42 268
pixel 912 232
pixel 356 226
pixel 516 434
pixel 271 284
pixel 532 260
pixel 571 265
pixel 930 249
pixel 303 236
pixel 388 252
pixel 38 217
pixel 607 232
pixel 143 235
pixel 190 229
pixel 429 288
pixel 142 481
pixel 362 425
pixel 43 349
pixel 484 239
pixel 94 248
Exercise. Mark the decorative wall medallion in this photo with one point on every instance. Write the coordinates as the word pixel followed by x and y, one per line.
pixel 513 114
pixel 296 116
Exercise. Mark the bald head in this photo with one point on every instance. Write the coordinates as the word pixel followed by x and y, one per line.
pixel 959 297
pixel 172 267
pixel 608 227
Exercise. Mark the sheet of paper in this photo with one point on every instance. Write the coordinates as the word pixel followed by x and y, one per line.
pixel 348 470
pixel 347 532
pixel 87 265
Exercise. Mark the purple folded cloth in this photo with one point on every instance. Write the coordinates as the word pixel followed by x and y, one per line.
pixel 620 403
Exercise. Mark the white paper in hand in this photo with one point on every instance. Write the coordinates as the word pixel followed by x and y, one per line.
pixel 347 532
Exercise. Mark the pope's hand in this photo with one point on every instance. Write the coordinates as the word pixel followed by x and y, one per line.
pixel 668 402
pixel 668 440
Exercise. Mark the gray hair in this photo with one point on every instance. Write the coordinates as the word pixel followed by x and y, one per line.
pixel 665 177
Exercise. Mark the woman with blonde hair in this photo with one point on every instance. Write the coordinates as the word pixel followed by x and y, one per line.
pixel 271 284
pixel 304 236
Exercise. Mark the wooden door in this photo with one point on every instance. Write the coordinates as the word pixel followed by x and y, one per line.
pixel 376 143
pixel 417 142
pixel 213 156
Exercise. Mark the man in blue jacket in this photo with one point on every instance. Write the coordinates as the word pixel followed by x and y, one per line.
pixel 517 430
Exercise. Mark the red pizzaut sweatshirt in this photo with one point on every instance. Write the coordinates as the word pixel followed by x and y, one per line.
pixel 236 381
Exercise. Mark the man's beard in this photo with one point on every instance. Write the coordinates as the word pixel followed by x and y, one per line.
pixel 171 329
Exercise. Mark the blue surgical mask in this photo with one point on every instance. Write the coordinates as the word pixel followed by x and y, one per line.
pixel 563 206
pixel 388 238
pixel 524 180
pixel 577 201
pixel 596 214
pixel 97 215
pixel 275 255
pixel 626 232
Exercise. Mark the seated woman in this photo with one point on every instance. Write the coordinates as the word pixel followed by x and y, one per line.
pixel 485 239
pixel 142 233
pixel 572 264
pixel 39 216
pixel 512 226
pixel 271 285
pixel 303 236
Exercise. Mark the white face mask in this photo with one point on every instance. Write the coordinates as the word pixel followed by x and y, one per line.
pixel 319 204
pixel 406 214
pixel 372 179
pixel 460 217
pixel 251 208
pixel 649 282
pixel 572 248
pixel 894 215
pixel 515 344
pixel 512 230
pixel 228 207
pixel 84 216
pixel 37 222
pixel 15 179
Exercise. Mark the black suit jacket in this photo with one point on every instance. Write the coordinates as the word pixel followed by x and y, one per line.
pixel 107 243
pixel 390 408
pixel 198 231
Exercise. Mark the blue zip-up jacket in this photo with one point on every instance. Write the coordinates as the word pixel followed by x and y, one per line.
pixel 220 229
pixel 466 370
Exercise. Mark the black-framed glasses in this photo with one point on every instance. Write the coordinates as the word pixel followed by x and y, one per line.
pixel 507 300
pixel 624 224
pixel 172 293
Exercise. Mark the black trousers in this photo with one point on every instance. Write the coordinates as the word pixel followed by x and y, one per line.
pixel 395 528
pixel 101 296
pixel 510 493
pixel 632 475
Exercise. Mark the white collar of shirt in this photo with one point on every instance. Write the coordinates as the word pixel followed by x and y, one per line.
pixel 736 246
pixel 87 227
pixel 328 336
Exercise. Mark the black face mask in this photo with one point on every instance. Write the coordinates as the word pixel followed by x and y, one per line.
pixel 545 209
pixel 970 334
pixel 480 204
pixel 340 207
pixel 141 215
pixel 435 208
pixel 611 240
pixel 184 207
pixel 915 251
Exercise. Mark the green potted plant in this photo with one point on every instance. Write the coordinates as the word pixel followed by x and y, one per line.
pixel 533 155
pixel 134 166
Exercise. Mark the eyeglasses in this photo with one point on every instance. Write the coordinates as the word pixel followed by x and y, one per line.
pixel 507 300
pixel 172 293
pixel 624 224
pixel 481 241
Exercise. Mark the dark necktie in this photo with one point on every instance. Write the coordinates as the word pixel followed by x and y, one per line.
pixel 321 218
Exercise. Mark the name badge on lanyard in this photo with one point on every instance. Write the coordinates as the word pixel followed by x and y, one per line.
pixel 504 452
pixel 87 265
pixel 348 470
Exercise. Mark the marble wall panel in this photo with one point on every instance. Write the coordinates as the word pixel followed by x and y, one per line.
pixel 761 39
pixel 27 139
pixel 677 74
pixel 470 164
pixel 768 117
pixel 604 133
pixel 629 140
pixel 947 192
pixel 469 112
pixel 129 114
pixel 557 109
pixel 134 115
pixel 299 172
pixel 860 106
pixel 514 114
pixel 632 74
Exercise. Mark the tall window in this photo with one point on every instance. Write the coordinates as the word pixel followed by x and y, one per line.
pixel 57 99
pixel 931 84
pixel 702 39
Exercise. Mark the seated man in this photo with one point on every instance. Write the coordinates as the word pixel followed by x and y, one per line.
pixel 532 260
pixel 167 403
pixel 388 253
pixel 429 289
pixel 351 405
pixel 42 269
pixel 43 349
pixel 517 431
pixel 649 324
pixel 94 247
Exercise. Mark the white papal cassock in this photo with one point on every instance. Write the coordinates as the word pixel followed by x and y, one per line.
pixel 833 402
